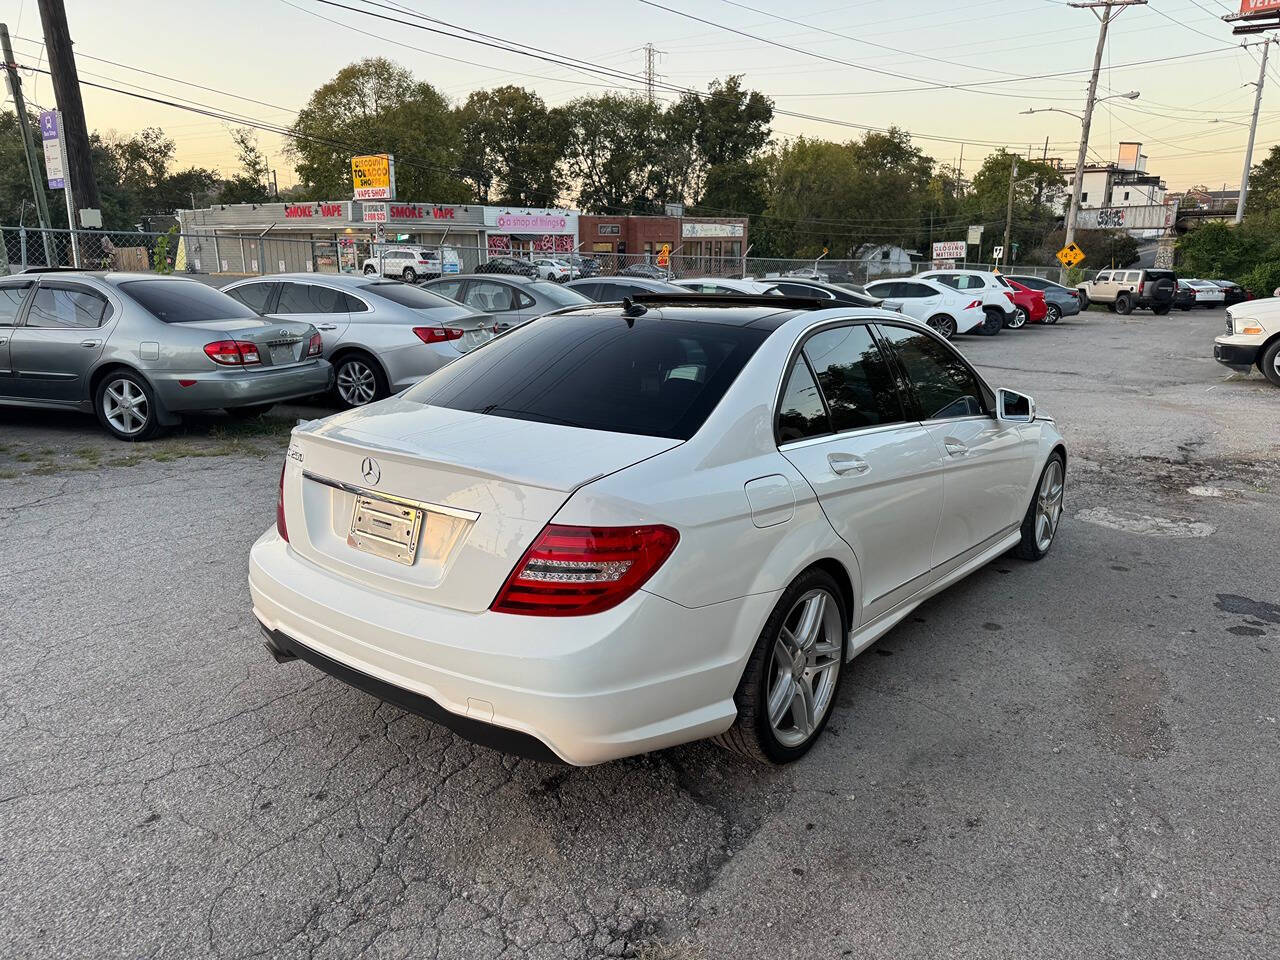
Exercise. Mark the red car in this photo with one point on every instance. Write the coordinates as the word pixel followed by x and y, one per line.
pixel 1029 305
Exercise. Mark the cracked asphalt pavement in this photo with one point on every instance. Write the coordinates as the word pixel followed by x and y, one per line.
pixel 1076 758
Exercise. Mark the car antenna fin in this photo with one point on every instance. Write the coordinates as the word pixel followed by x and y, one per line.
pixel 632 309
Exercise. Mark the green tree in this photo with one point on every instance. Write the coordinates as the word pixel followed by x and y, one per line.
pixel 892 197
pixel 814 186
pixel 250 184
pixel 987 201
pixel 375 106
pixel 1264 183
pixel 610 153
pixel 512 147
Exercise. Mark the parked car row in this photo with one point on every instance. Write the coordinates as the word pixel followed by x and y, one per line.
pixel 1158 291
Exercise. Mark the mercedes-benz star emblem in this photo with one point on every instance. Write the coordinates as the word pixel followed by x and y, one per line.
pixel 371 472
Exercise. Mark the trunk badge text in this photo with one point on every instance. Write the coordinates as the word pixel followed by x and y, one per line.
pixel 371 472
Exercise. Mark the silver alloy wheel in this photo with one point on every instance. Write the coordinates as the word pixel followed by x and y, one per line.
pixel 357 383
pixel 1055 313
pixel 944 325
pixel 1048 504
pixel 804 667
pixel 125 406
pixel 1019 319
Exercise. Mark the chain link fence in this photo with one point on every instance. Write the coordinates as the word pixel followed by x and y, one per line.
pixel 219 257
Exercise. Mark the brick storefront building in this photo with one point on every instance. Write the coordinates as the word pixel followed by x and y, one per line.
pixel 696 242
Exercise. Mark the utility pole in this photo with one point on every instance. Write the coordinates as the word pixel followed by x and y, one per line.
pixel 28 142
pixel 1253 129
pixel 1008 213
pixel 66 89
pixel 1104 21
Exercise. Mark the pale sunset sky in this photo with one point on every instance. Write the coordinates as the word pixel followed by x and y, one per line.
pixel 885 63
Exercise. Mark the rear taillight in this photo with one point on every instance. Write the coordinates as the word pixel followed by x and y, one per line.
pixel 315 345
pixel 438 334
pixel 1075 294
pixel 1141 286
pixel 281 527
pixel 974 305
pixel 232 353
pixel 572 571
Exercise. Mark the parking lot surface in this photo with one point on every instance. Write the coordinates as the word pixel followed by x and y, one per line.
pixel 1075 758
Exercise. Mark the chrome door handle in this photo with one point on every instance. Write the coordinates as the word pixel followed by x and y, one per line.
pixel 3 341
pixel 90 343
pixel 326 326
pixel 954 447
pixel 843 463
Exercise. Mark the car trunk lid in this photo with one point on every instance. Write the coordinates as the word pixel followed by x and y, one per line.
pixel 458 495
pixel 279 342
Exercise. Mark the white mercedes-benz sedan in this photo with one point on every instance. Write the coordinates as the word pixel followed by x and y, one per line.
pixel 626 526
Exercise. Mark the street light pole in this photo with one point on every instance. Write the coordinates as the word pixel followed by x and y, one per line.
pixel 1104 21
pixel 1253 128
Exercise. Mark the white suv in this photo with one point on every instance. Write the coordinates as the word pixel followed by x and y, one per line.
pixel 409 263
pixel 947 310
pixel 1252 338
pixel 991 288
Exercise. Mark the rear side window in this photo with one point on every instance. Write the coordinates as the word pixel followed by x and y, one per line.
pixel 944 386
pixel 802 413
pixel 253 295
pixel 311 298
pixel 653 377
pixel 406 295
pixel 556 294
pixel 447 288
pixel 55 307
pixel 854 377
pixel 11 297
pixel 184 301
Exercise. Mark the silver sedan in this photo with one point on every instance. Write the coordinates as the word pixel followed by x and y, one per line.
pixel 510 298
pixel 382 336
pixel 139 350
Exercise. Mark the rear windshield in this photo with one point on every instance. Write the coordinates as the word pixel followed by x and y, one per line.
pixel 557 294
pixel 185 301
pixel 649 376
pixel 407 296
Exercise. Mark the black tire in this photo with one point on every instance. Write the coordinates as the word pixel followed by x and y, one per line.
pixel 752 735
pixel 132 401
pixel 355 374
pixel 994 323
pixel 1032 546
pixel 1161 310
pixel 944 325
pixel 251 412
pixel 1053 313
pixel 1018 320
pixel 370 270
pixel 408 275
pixel 1084 300
pixel 1124 304
pixel 1270 363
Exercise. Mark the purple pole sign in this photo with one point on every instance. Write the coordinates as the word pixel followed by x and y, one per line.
pixel 50 133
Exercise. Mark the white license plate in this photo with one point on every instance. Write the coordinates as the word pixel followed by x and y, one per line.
pixel 385 529
pixel 281 354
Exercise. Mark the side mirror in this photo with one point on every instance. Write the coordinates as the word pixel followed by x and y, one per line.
pixel 1014 407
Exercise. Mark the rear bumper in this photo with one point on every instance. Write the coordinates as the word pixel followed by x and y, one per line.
pixel 645 675
pixel 214 389
pixel 1239 356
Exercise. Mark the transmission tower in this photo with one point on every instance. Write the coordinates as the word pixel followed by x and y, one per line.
pixel 651 55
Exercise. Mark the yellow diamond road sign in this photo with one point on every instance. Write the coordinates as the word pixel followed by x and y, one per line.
pixel 1070 255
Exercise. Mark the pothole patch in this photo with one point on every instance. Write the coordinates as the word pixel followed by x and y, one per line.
pixel 1200 490
pixel 1145 525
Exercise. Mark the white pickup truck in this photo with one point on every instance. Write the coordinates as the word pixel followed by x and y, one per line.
pixel 1252 338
